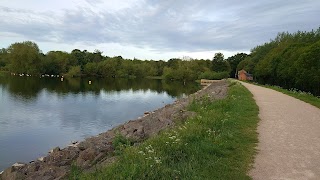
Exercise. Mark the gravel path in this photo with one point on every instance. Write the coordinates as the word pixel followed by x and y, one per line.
pixel 289 137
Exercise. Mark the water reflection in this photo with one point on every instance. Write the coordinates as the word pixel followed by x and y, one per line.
pixel 37 114
pixel 29 88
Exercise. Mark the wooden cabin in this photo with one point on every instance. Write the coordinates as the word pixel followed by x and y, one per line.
pixel 244 76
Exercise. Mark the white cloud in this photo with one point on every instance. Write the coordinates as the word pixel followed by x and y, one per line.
pixel 153 29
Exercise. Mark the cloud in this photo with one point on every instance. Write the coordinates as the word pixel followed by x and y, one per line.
pixel 161 26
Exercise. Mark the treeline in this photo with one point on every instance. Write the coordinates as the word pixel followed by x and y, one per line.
pixel 291 60
pixel 27 58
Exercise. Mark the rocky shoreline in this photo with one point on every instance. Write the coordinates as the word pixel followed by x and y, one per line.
pixel 99 150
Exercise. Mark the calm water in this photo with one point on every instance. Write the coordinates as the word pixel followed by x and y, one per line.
pixel 38 114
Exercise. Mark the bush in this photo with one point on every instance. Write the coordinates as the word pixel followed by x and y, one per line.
pixel 214 75
pixel 74 71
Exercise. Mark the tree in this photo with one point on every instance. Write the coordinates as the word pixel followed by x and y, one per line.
pixel 289 61
pixel 79 58
pixel 219 64
pixel 246 64
pixel 25 58
pixel 234 61
pixel 3 57
pixel 55 62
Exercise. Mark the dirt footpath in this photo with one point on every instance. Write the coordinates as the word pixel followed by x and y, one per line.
pixel 289 137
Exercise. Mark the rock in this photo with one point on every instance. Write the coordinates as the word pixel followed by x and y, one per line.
pixel 56 149
pixel 62 158
pixel 86 157
pixel 18 165
pixel 41 159
pixel 146 113
pixel 46 178
pixel 88 154
pixel 74 144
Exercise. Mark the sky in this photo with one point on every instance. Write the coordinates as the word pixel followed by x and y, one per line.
pixel 154 29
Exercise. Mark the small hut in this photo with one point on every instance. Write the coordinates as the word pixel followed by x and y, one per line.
pixel 244 76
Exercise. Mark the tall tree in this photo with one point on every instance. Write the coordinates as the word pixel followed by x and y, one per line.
pixel 3 57
pixel 25 58
pixel 234 61
pixel 219 64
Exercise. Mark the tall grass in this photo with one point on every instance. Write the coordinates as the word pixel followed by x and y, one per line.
pixel 219 143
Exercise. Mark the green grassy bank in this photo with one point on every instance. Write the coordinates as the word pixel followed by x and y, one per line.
pixel 219 143
pixel 303 96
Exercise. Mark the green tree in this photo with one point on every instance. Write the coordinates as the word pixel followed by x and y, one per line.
pixel 74 71
pixel 219 64
pixel 234 61
pixel 246 64
pixel 55 62
pixel 290 61
pixel 91 69
pixel 3 57
pixel 25 58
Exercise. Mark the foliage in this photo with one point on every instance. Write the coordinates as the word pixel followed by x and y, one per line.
pixel 219 143
pixel 219 64
pixel 214 75
pixel 75 172
pixel 246 64
pixel 55 62
pixel 3 58
pixel 74 71
pixel 234 61
pixel 289 61
pixel 24 58
pixel 120 143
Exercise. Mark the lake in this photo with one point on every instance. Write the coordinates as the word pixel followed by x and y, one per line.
pixel 38 114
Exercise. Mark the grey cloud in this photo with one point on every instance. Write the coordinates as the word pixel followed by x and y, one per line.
pixel 166 25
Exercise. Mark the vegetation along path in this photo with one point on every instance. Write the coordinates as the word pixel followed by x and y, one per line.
pixel 289 136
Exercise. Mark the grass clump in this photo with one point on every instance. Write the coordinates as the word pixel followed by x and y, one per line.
pixel 219 143
pixel 120 143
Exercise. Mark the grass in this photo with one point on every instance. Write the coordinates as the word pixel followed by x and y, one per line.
pixel 219 143
pixel 303 96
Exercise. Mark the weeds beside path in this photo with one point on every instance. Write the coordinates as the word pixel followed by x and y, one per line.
pixel 219 143
pixel 303 96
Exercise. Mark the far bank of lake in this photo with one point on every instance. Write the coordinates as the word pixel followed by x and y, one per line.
pixel 37 114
